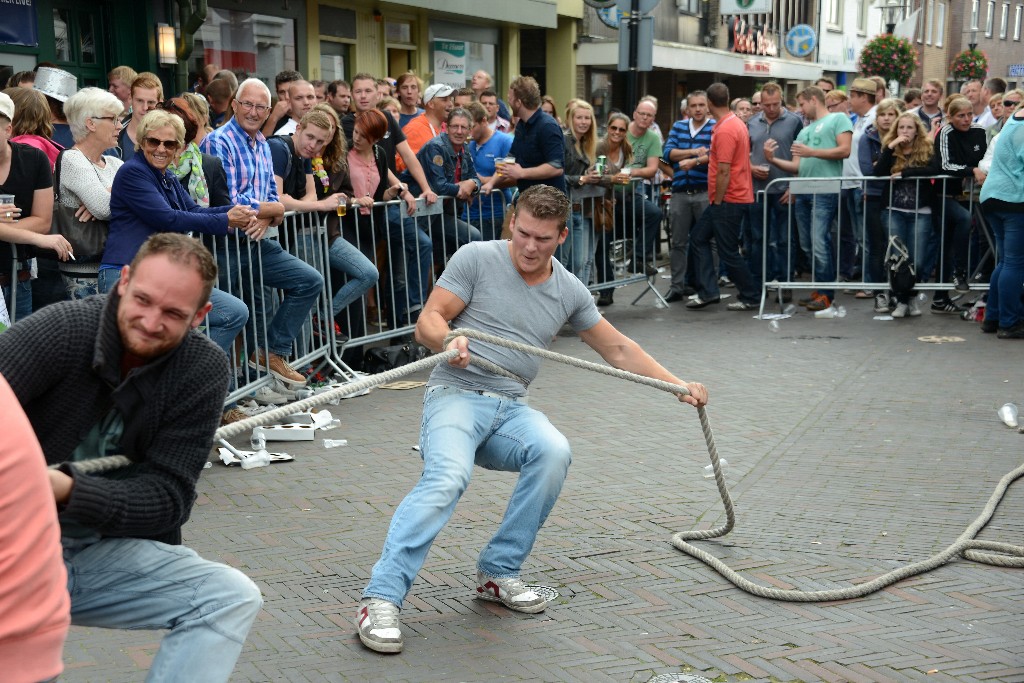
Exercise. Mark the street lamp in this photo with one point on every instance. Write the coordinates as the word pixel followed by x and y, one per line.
pixel 973 42
pixel 892 11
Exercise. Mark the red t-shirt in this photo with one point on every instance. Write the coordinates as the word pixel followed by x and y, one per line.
pixel 730 144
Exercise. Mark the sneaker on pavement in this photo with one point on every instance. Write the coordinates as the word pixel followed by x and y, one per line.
pixel 697 302
pixel 946 307
pixel 273 395
pixel 724 281
pixel 915 307
pixel 882 303
pixel 820 303
pixel 377 621
pixel 511 592
pixel 278 367
pixel 900 311
pixel 742 306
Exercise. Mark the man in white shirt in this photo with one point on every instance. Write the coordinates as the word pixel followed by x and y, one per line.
pixel 851 207
pixel 302 98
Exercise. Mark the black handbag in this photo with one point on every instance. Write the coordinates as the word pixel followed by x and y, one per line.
pixel 87 239
pixel 382 358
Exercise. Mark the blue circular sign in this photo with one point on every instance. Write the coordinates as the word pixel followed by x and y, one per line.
pixel 800 40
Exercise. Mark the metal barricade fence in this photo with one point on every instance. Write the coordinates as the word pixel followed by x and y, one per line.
pixel 613 238
pixel 816 231
pixel 262 288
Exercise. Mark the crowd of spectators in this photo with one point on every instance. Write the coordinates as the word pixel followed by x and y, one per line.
pixel 227 159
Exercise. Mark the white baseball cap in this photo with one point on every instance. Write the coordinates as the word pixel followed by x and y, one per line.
pixel 6 106
pixel 437 90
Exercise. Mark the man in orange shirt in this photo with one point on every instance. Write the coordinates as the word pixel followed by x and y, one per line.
pixel 730 192
pixel 437 102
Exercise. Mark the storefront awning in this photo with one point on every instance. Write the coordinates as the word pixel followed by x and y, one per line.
pixel 679 57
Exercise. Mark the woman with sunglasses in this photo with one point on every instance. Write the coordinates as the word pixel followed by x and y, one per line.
pixel 618 154
pixel 147 198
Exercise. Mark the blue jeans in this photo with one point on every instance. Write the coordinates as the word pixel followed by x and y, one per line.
pixel 130 583
pixel 22 308
pixel 955 239
pixel 300 282
pixel 346 258
pixel 724 223
pixel 412 272
pixel 915 229
pixel 107 279
pixel 776 261
pixel 459 429
pixel 814 216
pixel 851 232
pixel 1004 291
pixel 226 319
pixel 577 252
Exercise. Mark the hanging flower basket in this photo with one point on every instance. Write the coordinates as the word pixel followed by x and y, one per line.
pixel 892 58
pixel 969 64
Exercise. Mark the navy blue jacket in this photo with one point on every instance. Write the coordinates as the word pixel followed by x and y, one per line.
pixel 539 140
pixel 144 201
pixel 441 176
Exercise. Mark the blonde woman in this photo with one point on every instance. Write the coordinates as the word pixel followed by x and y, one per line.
pixel 582 178
pixel 869 152
pixel 906 155
pixel 618 155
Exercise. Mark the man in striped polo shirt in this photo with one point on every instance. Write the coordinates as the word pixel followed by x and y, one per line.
pixel 687 150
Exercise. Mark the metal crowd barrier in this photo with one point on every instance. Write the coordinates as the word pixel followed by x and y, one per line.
pixel 781 245
pixel 624 249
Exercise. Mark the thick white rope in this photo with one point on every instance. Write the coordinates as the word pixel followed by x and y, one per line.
pixel 998 554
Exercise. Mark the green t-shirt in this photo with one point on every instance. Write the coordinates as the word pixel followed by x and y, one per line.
pixel 644 147
pixel 822 135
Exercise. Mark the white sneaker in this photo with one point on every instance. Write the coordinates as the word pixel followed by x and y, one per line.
pixel 511 592
pixel 882 303
pixel 274 395
pixel 379 630
pixel 901 311
pixel 915 307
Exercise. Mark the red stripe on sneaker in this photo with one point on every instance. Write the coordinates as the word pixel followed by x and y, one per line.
pixel 364 614
pixel 490 585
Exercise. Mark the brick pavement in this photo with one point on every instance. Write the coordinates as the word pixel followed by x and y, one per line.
pixel 853 449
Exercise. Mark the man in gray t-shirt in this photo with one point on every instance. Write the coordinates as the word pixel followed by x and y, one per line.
pixel 516 290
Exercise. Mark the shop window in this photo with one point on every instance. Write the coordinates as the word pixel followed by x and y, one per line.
pixel 247 43
pixel 334 60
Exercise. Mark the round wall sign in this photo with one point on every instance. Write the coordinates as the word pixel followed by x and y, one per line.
pixel 800 40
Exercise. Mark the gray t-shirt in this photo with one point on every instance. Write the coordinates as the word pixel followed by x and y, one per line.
pixel 499 302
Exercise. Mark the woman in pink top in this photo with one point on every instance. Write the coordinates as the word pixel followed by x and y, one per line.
pixel 31 122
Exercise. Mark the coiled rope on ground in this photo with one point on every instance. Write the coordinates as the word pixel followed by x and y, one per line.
pixel 986 552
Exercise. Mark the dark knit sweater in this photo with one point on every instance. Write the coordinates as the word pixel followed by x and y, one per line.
pixel 63 363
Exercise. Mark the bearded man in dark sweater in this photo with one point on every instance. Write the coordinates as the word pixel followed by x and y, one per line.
pixel 127 373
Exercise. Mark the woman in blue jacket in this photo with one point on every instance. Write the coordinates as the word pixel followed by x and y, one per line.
pixel 146 198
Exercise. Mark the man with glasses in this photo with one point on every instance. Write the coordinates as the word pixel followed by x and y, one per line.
pixel 245 154
pixel 646 146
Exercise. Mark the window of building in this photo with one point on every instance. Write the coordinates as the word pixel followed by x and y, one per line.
pixel 693 7
pixel 929 21
pixel 834 14
pixel 247 43
pixel 1017 22
pixel 1004 21
pixel 337 35
pixel 990 18
pixel 940 22
pixel 975 12
pixel 862 16
pixel 478 49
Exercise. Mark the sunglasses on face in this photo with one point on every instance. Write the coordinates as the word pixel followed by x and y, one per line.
pixel 155 143
pixel 1011 103
pixel 617 129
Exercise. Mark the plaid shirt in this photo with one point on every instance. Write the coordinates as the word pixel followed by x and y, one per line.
pixel 247 163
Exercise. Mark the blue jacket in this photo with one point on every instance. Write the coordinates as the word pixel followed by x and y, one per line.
pixel 437 157
pixel 144 201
